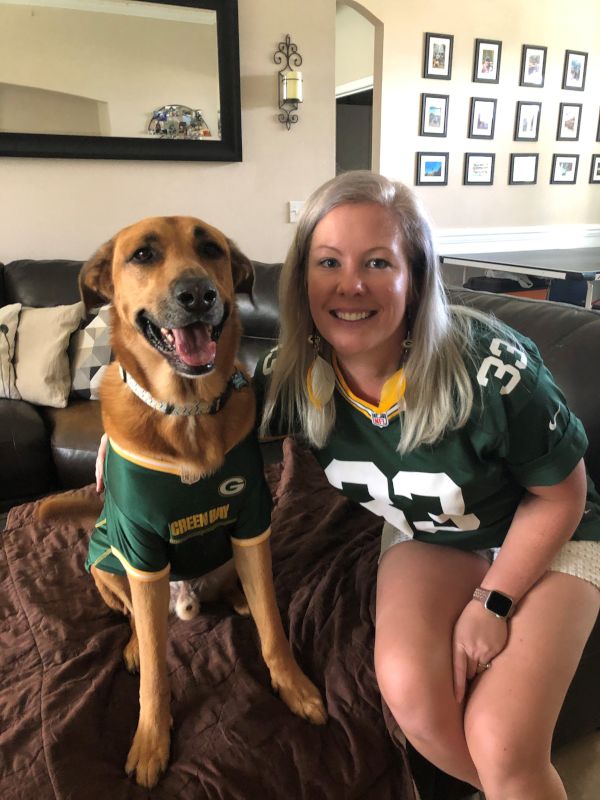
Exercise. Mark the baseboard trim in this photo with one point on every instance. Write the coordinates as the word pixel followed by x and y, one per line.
pixel 500 240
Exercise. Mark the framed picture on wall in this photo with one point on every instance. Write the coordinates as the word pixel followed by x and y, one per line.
pixel 527 121
pixel 486 64
pixel 432 169
pixel 564 168
pixel 434 114
pixel 533 65
pixel 438 56
pixel 595 169
pixel 479 169
pixel 482 118
pixel 574 70
pixel 523 168
pixel 569 118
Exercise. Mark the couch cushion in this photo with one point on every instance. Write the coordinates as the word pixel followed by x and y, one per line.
pixel 41 283
pixel 41 360
pixel 26 468
pixel 75 433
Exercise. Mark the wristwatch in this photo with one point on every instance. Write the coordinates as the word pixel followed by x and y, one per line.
pixel 498 603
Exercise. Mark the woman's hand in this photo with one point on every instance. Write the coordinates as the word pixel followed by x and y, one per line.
pixel 479 635
pixel 100 464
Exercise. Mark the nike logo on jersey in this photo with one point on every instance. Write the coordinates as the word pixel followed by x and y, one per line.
pixel 552 423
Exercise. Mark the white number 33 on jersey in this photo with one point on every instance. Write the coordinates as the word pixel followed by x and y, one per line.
pixel 500 367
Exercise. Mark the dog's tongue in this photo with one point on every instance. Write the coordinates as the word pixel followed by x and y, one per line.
pixel 194 346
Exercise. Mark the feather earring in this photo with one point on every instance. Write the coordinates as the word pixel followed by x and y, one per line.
pixel 320 378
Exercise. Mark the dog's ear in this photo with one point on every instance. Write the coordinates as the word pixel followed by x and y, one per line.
pixel 242 270
pixel 95 278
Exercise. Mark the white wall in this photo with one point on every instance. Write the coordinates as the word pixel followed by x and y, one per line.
pixel 354 43
pixel 550 23
pixel 62 208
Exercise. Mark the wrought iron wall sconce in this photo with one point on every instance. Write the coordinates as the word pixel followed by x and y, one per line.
pixel 289 81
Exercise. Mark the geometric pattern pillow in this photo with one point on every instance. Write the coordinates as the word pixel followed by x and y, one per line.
pixel 90 354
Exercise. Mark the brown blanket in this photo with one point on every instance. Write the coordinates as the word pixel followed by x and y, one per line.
pixel 68 708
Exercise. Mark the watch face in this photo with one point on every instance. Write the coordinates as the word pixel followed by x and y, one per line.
pixel 498 603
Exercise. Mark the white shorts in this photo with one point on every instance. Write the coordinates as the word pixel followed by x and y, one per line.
pixel 581 559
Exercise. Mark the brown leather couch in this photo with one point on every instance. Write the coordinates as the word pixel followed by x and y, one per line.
pixel 44 449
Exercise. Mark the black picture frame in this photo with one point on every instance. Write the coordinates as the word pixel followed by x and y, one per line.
pixel 595 169
pixel 227 148
pixel 527 121
pixel 434 114
pixel 569 122
pixel 482 118
pixel 437 61
pixel 432 169
pixel 533 65
pixel 479 169
pixel 564 168
pixel 574 70
pixel 523 169
pixel 486 61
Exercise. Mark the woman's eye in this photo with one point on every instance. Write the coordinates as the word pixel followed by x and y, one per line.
pixel 328 262
pixel 378 263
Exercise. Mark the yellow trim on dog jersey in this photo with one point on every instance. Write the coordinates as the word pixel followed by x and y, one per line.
pixel 262 537
pixel 138 574
pixel 144 461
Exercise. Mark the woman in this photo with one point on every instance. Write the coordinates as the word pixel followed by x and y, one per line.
pixel 448 425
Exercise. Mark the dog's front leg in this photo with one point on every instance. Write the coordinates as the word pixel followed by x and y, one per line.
pixel 149 751
pixel 253 564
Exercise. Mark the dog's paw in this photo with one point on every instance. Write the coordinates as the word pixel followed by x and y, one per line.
pixel 131 654
pixel 149 755
pixel 302 697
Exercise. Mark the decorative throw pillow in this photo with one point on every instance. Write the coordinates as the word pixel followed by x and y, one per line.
pixel 41 359
pixel 9 319
pixel 90 354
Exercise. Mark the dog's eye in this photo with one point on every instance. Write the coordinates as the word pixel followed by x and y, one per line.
pixel 211 250
pixel 142 255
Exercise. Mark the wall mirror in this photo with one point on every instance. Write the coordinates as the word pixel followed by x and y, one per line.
pixel 121 79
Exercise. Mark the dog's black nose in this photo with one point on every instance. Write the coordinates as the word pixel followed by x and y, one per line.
pixel 195 294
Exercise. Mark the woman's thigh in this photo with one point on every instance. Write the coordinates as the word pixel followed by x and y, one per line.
pixel 513 706
pixel 421 591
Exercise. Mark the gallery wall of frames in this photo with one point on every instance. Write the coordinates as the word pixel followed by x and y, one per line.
pixel 431 167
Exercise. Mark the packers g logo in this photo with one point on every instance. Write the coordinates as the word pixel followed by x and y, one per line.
pixel 232 486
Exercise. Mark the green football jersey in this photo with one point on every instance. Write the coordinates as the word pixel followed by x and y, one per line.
pixel 462 491
pixel 152 524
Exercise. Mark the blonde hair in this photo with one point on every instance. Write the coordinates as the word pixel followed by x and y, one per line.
pixel 439 394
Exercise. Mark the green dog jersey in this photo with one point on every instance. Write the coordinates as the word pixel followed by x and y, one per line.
pixel 462 491
pixel 152 524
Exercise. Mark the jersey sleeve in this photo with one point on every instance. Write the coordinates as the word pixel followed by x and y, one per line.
pixel 142 554
pixel 546 440
pixel 541 439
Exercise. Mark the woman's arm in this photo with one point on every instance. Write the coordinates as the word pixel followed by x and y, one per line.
pixel 100 464
pixel 544 520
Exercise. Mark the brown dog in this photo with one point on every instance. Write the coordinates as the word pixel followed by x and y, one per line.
pixel 176 401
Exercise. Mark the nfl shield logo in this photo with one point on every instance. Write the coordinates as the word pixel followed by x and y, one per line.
pixel 379 420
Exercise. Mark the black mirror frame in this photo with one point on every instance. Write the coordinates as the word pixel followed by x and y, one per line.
pixel 228 148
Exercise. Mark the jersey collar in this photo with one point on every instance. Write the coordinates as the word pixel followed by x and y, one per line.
pixel 391 402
